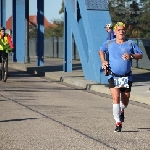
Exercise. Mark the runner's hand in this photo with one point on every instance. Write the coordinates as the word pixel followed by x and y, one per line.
pixel 126 56
pixel 104 64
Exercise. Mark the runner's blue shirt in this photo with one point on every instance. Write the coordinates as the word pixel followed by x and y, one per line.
pixel 117 64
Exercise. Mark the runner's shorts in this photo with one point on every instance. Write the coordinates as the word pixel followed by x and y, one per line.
pixel 111 85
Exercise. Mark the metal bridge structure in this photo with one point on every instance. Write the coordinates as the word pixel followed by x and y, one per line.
pixel 83 19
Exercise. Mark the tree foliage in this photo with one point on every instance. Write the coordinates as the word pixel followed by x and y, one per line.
pixel 59 29
pixel 62 8
pixel 32 31
pixel 55 31
pixel 134 15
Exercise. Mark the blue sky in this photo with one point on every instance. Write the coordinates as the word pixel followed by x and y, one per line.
pixel 51 9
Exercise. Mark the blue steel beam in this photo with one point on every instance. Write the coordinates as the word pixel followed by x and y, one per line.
pixel 78 38
pixel 67 66
pixel 3 13
pixel 0 12
pixel 20 30
pixel 88 29
pixel 40 32
pixel 14 59
pixel 94 28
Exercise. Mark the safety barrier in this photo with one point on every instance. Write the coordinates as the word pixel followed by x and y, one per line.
pixel 144 45
pixel 53 47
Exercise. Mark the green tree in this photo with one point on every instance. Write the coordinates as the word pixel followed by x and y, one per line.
pixel 62 8
pixel 59 29
pixel 32 31
pixel 117 10
pixel 134 15
pixel 144 19
pixel 55 31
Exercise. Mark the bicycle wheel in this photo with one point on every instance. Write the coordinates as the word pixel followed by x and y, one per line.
pixel 5 70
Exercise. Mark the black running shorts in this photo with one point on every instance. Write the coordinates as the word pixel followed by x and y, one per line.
pixel 111 85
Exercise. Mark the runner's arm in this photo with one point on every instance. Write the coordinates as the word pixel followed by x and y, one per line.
pixel 102 57
pixel 137 52
pixel 103 50
pixel 136 56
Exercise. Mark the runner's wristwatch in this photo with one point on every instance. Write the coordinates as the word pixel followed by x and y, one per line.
pixel 131 56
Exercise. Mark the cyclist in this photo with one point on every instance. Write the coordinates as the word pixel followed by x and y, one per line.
pixel 5 41
pixel 109 29
pixel 6 44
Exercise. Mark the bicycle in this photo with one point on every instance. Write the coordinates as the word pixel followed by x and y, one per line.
pixel 4 66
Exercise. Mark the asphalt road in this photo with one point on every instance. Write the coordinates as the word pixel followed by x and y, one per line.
pixel 41 114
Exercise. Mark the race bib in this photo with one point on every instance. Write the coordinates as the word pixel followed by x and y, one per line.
pixel 121 82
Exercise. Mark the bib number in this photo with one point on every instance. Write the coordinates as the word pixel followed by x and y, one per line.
pixel 121 82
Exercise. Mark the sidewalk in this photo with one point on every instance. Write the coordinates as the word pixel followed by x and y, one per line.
pixel 53 69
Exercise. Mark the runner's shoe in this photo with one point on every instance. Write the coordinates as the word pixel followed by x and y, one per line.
pixel 122 116
pixel 118 127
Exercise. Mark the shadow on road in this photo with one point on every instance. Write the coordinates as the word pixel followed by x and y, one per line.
pixel 10 120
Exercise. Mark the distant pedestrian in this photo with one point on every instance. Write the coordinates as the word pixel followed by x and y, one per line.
pixel 109 30
pixel 121 52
